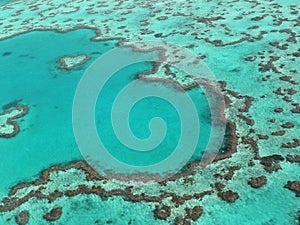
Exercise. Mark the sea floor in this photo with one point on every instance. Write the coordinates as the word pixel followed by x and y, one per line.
pixel 251 47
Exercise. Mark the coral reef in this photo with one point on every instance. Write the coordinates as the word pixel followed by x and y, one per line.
pixel 22 218
pixel 228 196
pixel 214 25
pixel 257 182
pixel 294 186
pixel 8 126
pixel 70 61
pixel 54 214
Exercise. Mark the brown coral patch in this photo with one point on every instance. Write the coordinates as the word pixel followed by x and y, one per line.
pixel 54 214
pixel 228 196
pixel 181 221
pixel 12 121
pixel 263 137
pixel 296 109
pixel 288 125
pixel 227 173
pixel 230 142
pixel 248 120
pixel 257 182
pixel 11 104
pixel 294 144
pixel 251 142
pixel 278 110
pixel 294 186
pixel 22 218
pixel 162 212
pixel 293 158
pixel 194 213
pixel 219 186
pixel 271 163
pixel 278 133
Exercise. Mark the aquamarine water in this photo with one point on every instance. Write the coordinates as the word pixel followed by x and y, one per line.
pixel 29 72
pixel 140 115
pixel 36 79
pixel 4 2
pixel 49 90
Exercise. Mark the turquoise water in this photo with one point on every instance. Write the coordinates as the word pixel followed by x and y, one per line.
pixel 140 115
pixel 4 2
pixel 29 72
pixel 49 93
pixel 46 136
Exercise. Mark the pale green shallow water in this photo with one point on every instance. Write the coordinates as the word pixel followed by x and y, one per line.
pixel 30 73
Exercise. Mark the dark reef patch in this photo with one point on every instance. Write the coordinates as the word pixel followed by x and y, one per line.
pixel 162 212
pixel 278 133
pixel 271 163
pixel 6 53
pixel 23 110
pixel 296 109
pixel 228 196
pixel 294 144
pixel 22 218
pixel 263 137
pixel 11 104
pixel 227 173
pixel 288 125
pixel 278 110
pixel 194 213
pixel 293 186
pixel 293 158
pixel 257 182
pixel 54 214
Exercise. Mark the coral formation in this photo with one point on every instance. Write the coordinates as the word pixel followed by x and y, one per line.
pixel 70 61
pixel 8 126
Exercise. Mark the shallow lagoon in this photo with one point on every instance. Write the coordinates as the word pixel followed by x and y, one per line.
pixel 35 78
